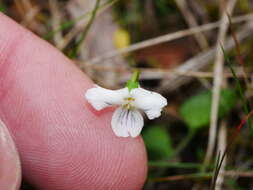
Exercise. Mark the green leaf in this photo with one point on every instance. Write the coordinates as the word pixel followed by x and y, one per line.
pixel 165 7
pixel 2 7
pixel 196 110
pixel 158 143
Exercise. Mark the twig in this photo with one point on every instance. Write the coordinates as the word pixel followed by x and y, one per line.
pixel 166 38
pixel 218 71
pixel 191 21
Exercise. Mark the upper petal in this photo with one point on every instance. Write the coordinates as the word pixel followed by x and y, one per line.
pixel 127 122
pixel 150 102
pixel 100 97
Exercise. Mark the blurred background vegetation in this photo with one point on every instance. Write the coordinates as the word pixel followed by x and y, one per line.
pixel 177 46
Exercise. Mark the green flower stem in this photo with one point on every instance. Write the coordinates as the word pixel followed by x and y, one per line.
pixel 166 164
pixel 184 143
pixel 246 109
pixel 74 51
pixel 194 176
pixel 136 75
pixel 134 81
pixel 67 24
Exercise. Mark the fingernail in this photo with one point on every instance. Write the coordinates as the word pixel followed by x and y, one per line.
pixel 10 170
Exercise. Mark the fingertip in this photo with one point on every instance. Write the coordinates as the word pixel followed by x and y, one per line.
pixel 135 169
pixel 63 144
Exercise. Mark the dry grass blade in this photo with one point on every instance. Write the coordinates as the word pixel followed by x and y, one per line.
pixel 201 61
pixel 218 71
pixel 85 32
pixel 166 38
pixel 222 143
pixel 56 21
pixel 192 22
pixel 220 161
pixel 238 54
pixel 79 27
pixel 152 74
pixel 203 176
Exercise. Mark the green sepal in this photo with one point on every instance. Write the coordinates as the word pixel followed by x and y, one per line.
pixel 133 82
pixel 132 85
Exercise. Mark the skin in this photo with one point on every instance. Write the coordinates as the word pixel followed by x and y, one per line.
pixel 63 143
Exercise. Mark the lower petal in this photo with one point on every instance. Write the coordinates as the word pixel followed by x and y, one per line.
pixel 153 113
pixel 127 122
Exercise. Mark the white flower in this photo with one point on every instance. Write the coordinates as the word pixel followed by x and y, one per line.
pixel 127 120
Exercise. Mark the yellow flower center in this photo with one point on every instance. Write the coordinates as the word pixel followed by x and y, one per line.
pixel 128 104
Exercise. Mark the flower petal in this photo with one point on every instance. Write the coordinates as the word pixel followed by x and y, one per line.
pixel 100 97
pixel 150 102
pixel 127 122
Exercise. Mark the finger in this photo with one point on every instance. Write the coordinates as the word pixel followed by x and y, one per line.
pixel 62 142
pixel 10 171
